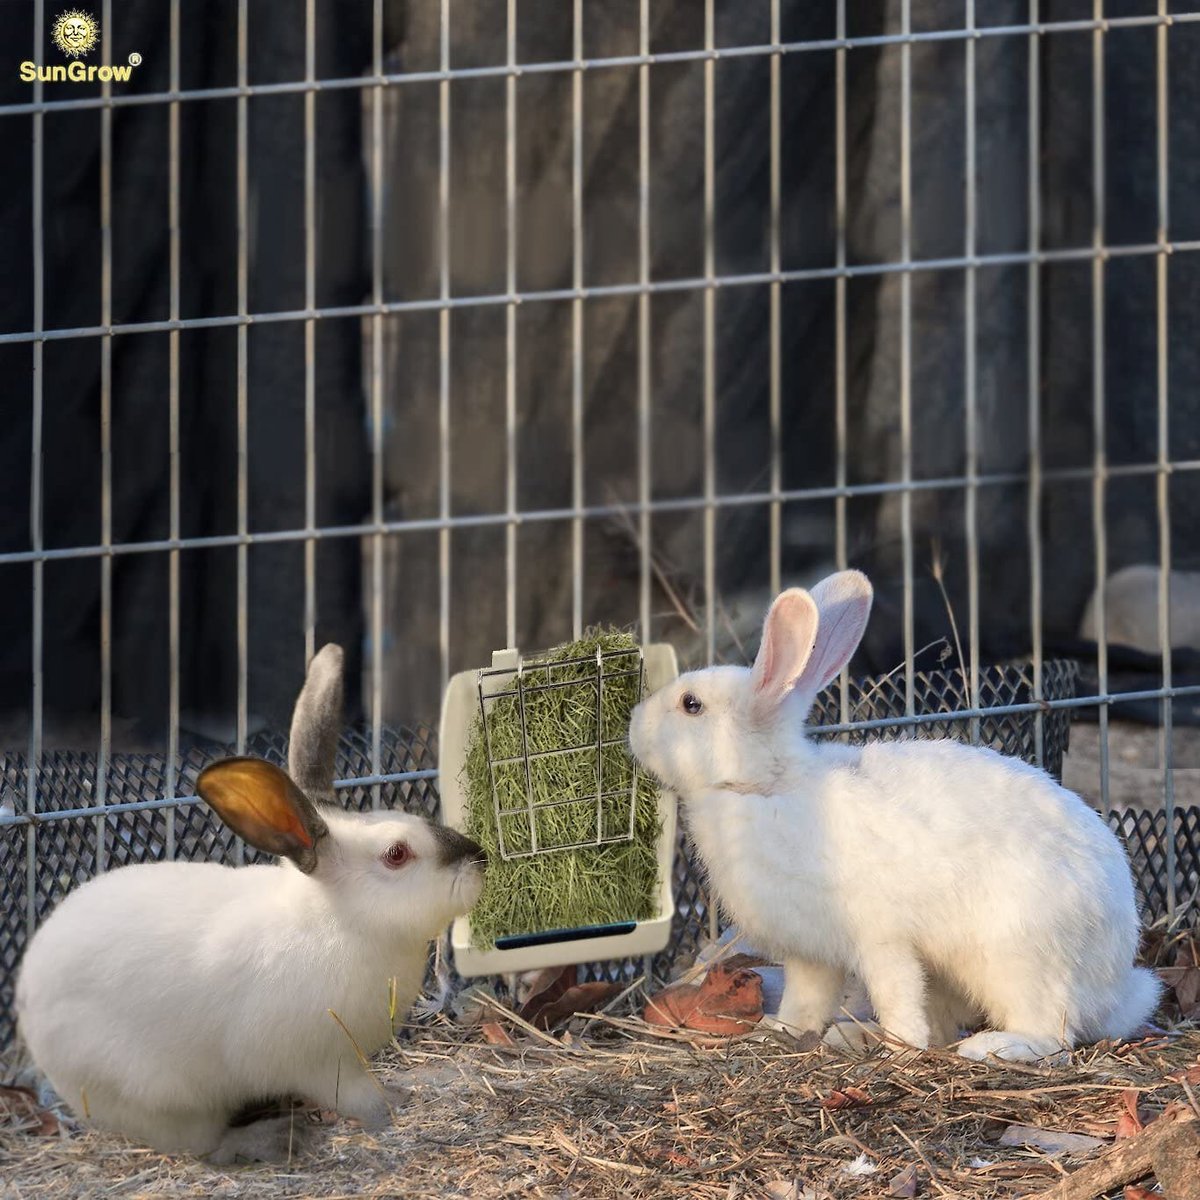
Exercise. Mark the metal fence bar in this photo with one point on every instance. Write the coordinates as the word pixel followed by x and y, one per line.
pixel 310 332
pixel 243 397
pixel 1014 258
pixel 106 563
pixel 1033 334
pixel 970 369
pixel 173 596
pixel 644 398
pixel 774 331
pixel 1162 480
pixel 709 350
pixel 510 325
pixel 577 496
pixel 566 66
pixel 841 551
pixel 444 464
pixel 534 516
pixel 376 388
pixel 1100 456
pixel 36 511
pixel 906 447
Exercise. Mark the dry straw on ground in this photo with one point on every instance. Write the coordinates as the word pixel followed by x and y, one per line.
pixel 628 1111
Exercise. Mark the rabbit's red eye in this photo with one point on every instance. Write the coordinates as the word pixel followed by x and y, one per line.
pixel 691 704
pixel 396 855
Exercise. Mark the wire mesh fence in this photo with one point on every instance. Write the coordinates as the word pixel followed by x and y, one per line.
pixel 69 814
pixel 73 839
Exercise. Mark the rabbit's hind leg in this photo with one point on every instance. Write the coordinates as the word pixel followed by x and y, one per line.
pixel 275 1139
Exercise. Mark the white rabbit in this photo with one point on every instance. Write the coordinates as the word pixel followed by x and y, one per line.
pixel 957 883
pixel 163 998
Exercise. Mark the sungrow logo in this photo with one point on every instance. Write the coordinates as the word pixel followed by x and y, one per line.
pixel 77 34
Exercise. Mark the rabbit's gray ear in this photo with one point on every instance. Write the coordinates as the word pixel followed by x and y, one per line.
pixel 317 725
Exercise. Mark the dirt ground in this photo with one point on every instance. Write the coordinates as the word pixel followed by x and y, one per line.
pixel 626 1111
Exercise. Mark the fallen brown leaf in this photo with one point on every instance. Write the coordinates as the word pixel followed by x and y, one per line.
pixel 728 1002
pixel 496 1034
pixel 905 1183
pixel 582 998
pixel 847 1097
pixel 1134 1192
pixel 546 987
pixel 1190 1075
pixel 1185 982
pixel 1130 1121
pixel 21 1107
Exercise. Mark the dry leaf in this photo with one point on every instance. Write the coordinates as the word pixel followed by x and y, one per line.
pixel 545 988
pixel 1190 1075
pixel 848 1097
pixel 582 998
pixel 905 1183
pixel 1052 1141
pixel 728 1002
pixel 1185 980
pixel 1130 1121
pixel 496 1034
pixel 20 1109
pixel 1133 1192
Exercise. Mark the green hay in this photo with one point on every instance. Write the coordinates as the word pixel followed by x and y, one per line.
pixel 593 885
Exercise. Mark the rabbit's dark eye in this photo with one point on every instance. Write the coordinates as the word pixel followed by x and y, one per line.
pixel 397 855
pixel 691 704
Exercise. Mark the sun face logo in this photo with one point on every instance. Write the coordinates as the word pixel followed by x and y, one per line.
pixel 75 33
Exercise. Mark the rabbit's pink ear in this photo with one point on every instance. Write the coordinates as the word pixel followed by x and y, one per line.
pixel 844 603
pixel 787 642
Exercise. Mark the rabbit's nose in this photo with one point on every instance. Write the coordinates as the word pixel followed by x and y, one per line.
pixel 456 848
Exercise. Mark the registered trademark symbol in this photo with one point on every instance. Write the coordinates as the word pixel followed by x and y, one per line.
pixel 135 59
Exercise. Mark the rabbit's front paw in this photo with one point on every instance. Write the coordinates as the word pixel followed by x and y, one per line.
pixel 802 1033
pixel 853 1037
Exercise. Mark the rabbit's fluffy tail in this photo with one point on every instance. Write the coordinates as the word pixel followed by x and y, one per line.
pixel 1136 1004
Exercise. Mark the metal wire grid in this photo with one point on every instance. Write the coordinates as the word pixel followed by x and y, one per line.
pixel 42 819
pixel 523 687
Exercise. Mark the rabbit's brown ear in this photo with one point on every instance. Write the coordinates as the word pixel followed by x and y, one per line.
pixel 258 801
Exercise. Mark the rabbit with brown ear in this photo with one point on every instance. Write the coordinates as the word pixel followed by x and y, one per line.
pixel 958 884
pixel 161 999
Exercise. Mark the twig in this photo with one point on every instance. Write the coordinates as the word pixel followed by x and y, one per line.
pixel 676 602
pixel 933 1176
pixel 937 569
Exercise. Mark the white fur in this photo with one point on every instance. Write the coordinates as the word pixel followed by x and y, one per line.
pixel 161 998
pixel 956 882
